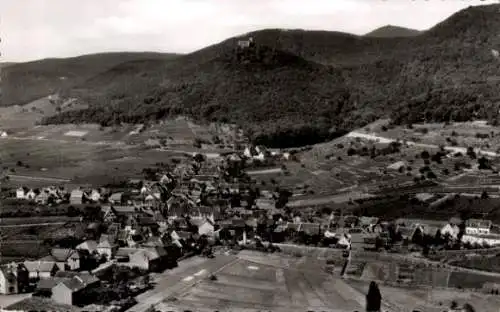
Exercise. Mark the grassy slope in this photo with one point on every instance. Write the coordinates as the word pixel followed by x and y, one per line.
pixel 25 82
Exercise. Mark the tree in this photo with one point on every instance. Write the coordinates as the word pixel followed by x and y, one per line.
pixel 484 195
pixel 484 163
pixel 199 158
pixel 471 153
pixel 373 298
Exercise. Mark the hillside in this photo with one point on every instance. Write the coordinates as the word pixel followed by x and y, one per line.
pixel 6 64
pixel 390 31
pixel 25 82
pixel 260 88
pixel 448 72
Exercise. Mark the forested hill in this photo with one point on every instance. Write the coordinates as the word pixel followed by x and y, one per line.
pixel 390 31
pixel 296 83
pixel 26 82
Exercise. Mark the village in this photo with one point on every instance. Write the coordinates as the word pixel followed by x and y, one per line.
pixel 136 230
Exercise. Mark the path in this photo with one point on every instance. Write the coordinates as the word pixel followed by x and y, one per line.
pixel 264 171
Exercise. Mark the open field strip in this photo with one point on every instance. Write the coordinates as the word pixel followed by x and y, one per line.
pixel 455 149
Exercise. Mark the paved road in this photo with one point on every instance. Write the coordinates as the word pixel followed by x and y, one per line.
pixel 173 283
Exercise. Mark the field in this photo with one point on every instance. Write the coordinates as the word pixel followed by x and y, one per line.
pixel 17 117
pixel 477 134
pixel 433 299
pixel 37 163
pixel 76 154
pixel 35 220
pixel 269 283
pixel 489 263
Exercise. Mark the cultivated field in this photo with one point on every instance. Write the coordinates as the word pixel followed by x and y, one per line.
pixel 269 284
pixel 13 118
pixel 433 299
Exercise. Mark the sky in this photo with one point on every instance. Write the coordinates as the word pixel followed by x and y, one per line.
pixel 36 29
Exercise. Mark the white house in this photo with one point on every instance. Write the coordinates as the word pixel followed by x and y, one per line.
pixel 451 230
pixel 8 279
pixel 21 193
pixel 95 195
pixel 3 134
pixel 490 240
pixel 106 248
pixel 206 228
pixel 344 241
pixel 76 197
pixel 476 226
pixel 245 43
pixel 30 195
pixel 397 165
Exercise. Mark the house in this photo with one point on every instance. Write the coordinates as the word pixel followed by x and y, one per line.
pixel 8 279
pixel 205 226
pixel 44 286
pixel 309 228
pixel 481 239
pixel 116 198
pixel 264 203
pixel 476 226
pixel 344 241
pixel 95 195
pixel 21 192
pixel 148 259
pixel 108 214
pixel 245 43
pixel 3 134
pixel 89 245
pixel 66 259
pixel 30 195
pixel 42 198
pixel 451 230
pixel 124 210
pixel 41 269
pixel 399 165
pixel 107 247
pixel 72 291
pixel 76 197
pixel 368 222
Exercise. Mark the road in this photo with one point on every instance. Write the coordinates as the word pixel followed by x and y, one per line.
pixel 455 149
pixel 173 283
pixel 264 171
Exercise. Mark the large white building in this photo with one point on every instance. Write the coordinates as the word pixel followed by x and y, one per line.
pixel 476 226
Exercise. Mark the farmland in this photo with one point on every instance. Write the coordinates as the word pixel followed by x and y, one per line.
pixel 247 284
pixel 75 154
pixel 432 299
pixel 26 116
